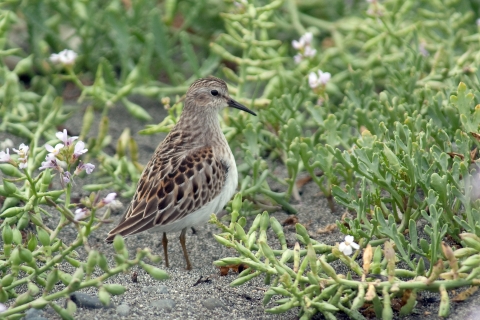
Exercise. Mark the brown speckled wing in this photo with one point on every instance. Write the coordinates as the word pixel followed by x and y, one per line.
pixel 171 187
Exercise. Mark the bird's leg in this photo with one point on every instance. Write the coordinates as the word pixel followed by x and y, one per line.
pixel 165 243
pixel 185 254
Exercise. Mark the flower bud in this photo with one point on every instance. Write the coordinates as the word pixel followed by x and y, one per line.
pixel 154 258
pixel 23 221
pixel 9 187
pixel 32 287
pixel 104 296
pixel 7 234
pixel 65 277
pixel 133 146
pixel 78 274
pixel 264 221
pixel 25 255
pixel 7 280
pixel 10 212
pixel 23 298
pixel 156 273
pixel 64 314
pixel 43 237
pixel 118 243
pixel 9 170
pixel 223 241
pixel 17 236
pixel 242 280
pixel 56 245
pixel 102 262
pixel 46 180
pixel 228 262
pixel 40 303
pixel 24 65
pixel 36 218
pixel 3 295
pixel 255 223
pixel 91 262
pixel 237 202
pixel 114 289
pixel 302 233
pixel 52 279
pixel 136 110
pixel 471 240
pixel 267 251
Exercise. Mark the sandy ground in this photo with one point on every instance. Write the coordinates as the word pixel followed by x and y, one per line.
pixel 179 297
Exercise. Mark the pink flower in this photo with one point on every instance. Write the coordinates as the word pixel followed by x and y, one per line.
pixel 54 151
pixel 50 162
pixel 79 149
pixel 80 213
pixel 64 137
pixel 88 167
pixel 66 176
pixel 109 198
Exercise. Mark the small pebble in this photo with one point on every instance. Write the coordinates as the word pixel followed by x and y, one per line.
pixel 84 300
pixel 212 303
pixel 34 314
pixel 123 310
pixel 157 289
pixel 167 304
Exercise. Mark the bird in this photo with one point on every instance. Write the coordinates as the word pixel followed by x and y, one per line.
pixel 192 172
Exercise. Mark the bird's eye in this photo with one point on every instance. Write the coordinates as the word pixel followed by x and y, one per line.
pixel 214 92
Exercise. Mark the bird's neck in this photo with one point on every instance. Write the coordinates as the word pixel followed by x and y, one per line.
pixel 205 125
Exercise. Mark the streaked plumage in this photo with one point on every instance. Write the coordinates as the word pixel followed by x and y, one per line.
pixel 192 173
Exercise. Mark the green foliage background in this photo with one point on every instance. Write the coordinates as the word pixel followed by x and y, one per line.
pixel 392 136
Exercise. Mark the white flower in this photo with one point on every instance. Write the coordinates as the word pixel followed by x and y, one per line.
pixel 303 45
pixel 22 155
pixel 3 308
pixel 109 198
pixel 315 80
pixel 79 149
pixel 88 167
pixel 303 42
pixel 309 52
pixel 5 156
pixel 65 57
pixel 346 246
pixel 298 58
pixel 7 143
pixel 54 151
pixel 64 137
pixel 80 213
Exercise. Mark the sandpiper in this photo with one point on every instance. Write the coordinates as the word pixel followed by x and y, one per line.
pixel 192 173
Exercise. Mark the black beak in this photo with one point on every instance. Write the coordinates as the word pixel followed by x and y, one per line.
pixel 234 104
